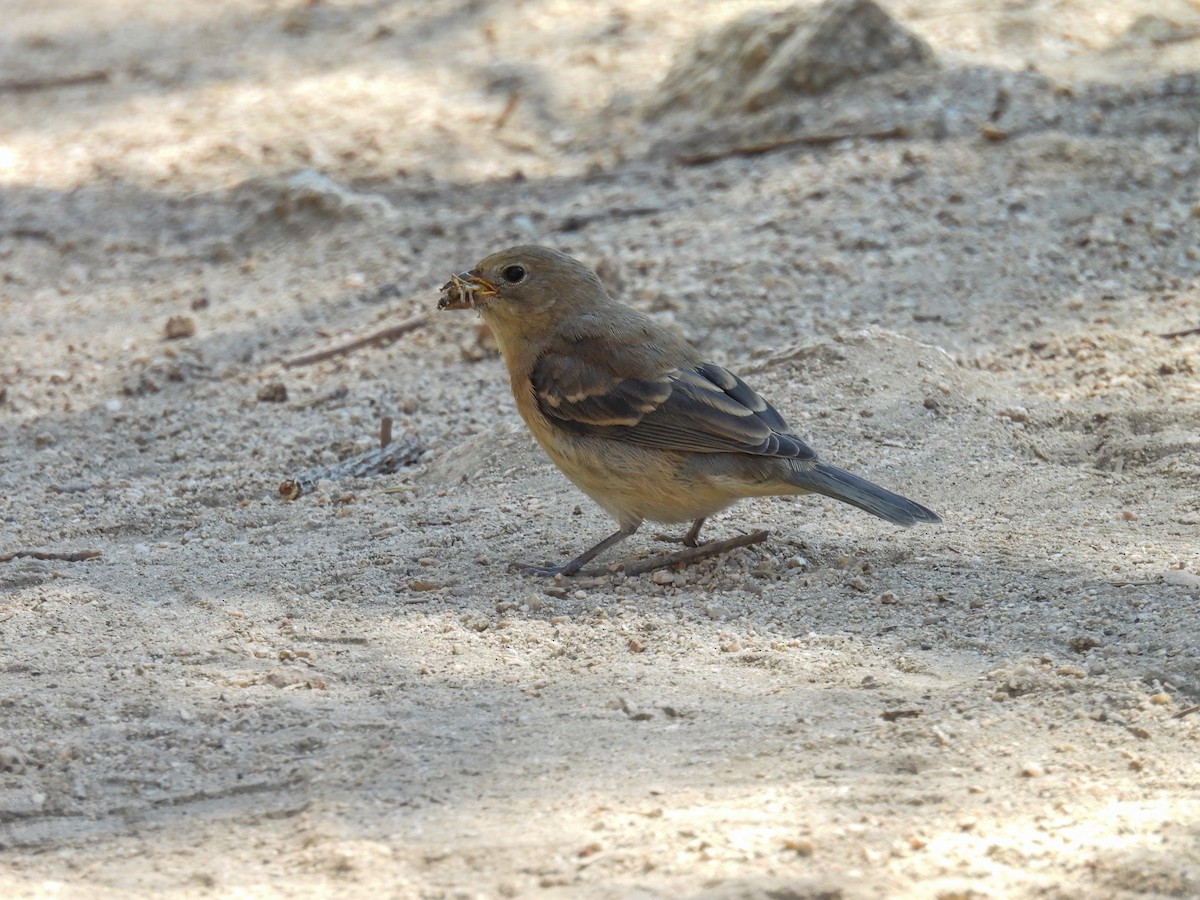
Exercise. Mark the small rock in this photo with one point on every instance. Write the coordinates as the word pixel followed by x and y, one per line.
pixel 180 327
pixel 1032 770
pixel 590 850
pixel 662 576
pixel 275 392
pixel 799 846
pixel 12 761
pixel 286 676
pixel 766 58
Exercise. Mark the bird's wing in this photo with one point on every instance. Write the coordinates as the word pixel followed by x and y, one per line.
pixel 701 409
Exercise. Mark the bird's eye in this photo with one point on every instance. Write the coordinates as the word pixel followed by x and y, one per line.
pixel 513 274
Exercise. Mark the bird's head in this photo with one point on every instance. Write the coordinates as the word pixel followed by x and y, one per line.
pixel 524 288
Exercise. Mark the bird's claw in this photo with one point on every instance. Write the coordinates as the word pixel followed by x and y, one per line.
pixel 686 539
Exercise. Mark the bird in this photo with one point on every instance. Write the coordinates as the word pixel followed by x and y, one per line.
pixel 632 413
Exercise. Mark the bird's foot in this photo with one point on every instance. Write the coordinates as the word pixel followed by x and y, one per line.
pixel 686 539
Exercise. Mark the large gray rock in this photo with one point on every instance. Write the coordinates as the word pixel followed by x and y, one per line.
pixel 763 58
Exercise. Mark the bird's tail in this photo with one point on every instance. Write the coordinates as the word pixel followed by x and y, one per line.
pixel 841 485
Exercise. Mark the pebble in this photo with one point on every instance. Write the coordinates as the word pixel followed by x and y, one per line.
pixel 179 327
pixel 1032 770
pixel 275 392
pixel 12 760
pixel 285 676
pixel 799 846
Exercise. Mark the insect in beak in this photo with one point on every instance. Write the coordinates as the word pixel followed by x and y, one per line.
pixel 465 291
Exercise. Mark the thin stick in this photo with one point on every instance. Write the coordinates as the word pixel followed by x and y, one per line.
pixel 385 431
pixel 509 108
pixel 333 639
pixel 1187 332
pixel 799 140
pixel 29 85
pixel 1186 712
pixel 576 221
pixel 73 556
pixel 336 394
pixel 379 337
pixel 382 460
pixel 684 557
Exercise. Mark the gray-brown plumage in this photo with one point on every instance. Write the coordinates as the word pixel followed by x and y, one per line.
pixel 632 413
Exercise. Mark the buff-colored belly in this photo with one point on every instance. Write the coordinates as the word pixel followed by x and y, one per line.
pixel 633 483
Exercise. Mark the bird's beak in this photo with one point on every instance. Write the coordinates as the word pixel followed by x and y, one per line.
pixel 465 291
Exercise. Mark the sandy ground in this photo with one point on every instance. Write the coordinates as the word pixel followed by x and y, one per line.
pixel 350 695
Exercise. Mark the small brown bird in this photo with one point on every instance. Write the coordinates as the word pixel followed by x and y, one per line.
pixel 632 413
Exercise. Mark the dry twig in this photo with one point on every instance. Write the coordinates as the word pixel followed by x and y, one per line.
pixel 798 140
pixel 30 85
pixel 73 556
pixel 1187 332
pixel 383 460
pixel 509 108
pixel 683 557
pixel 337 393
pixel 384 336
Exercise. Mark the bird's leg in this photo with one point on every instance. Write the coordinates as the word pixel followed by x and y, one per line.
pixel 691 539
pixel 582 559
